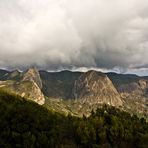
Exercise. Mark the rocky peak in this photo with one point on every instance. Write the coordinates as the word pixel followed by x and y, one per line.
pixel 143 84
pixel 32 74
pixel 96 87
pixel 30 86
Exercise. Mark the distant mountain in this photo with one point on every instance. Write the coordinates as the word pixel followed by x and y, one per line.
pixel 58 84
pixel 78 93
pixel 3 73
pixel 134 91
pixel 120 79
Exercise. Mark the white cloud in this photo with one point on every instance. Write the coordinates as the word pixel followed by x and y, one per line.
pixel 74 33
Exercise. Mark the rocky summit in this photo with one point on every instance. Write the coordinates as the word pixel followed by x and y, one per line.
pixel 96 87
pixel 79 92
pixel 26 84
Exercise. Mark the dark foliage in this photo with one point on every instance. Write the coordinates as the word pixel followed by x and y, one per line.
pixel 27 125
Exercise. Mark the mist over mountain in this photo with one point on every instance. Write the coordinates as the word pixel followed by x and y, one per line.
pixel 69 34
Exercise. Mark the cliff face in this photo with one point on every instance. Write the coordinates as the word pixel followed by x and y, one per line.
pixel 91 87
pixel 78 92
pixel 27 85
pixel 134 92
pixel 96 88
pixel 31 85
pixel 33 75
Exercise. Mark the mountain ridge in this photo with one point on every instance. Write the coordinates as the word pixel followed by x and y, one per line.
pixel 93 88
pixel 24 84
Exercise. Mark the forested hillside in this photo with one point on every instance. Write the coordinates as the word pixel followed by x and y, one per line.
pixel 25 124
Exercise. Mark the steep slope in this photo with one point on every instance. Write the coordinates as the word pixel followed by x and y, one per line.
pixel 134 91
pixel 93 86
pixel 77 92
pixel 27 84
pixel 120 79
pixel 58 84
pixel 3 73
pixel 24 124
pixel 33 75
pixel 96 88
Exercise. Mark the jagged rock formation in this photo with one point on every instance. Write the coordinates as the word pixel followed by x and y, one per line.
pixel 96 88
pixel 27 84
pixel 67 85
pixel 33 75
pixel 77 92
pixel 134 91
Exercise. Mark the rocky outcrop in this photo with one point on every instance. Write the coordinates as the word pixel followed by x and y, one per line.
pixel 31 85
pixel 33 75
pixel 134 92
pixel 31 91
pixel 28 85
pixel 96 88
pixel 82 91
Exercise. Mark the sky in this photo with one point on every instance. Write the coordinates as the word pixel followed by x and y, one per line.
pixel 108 35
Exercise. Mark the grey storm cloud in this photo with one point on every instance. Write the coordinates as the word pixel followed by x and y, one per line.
pixel 74 33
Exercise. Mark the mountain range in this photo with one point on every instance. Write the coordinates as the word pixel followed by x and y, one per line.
pixel 78 93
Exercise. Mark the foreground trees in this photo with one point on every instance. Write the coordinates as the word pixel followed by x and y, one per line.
pixel 26 124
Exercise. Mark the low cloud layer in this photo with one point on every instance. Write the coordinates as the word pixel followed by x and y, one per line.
pixel 56 34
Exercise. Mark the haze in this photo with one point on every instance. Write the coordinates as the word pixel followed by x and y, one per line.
pixel 74 34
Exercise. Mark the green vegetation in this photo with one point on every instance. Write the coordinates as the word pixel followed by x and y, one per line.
pixel 60 106
pixel 58 84
pixel 122 79
pixel 25 124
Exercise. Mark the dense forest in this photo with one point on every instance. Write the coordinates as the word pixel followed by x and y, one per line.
pixel 25 124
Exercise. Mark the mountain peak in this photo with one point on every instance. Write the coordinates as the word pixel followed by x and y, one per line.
pixel 31 71
pixel 95 87
pixel 32 74
pixel 95 73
